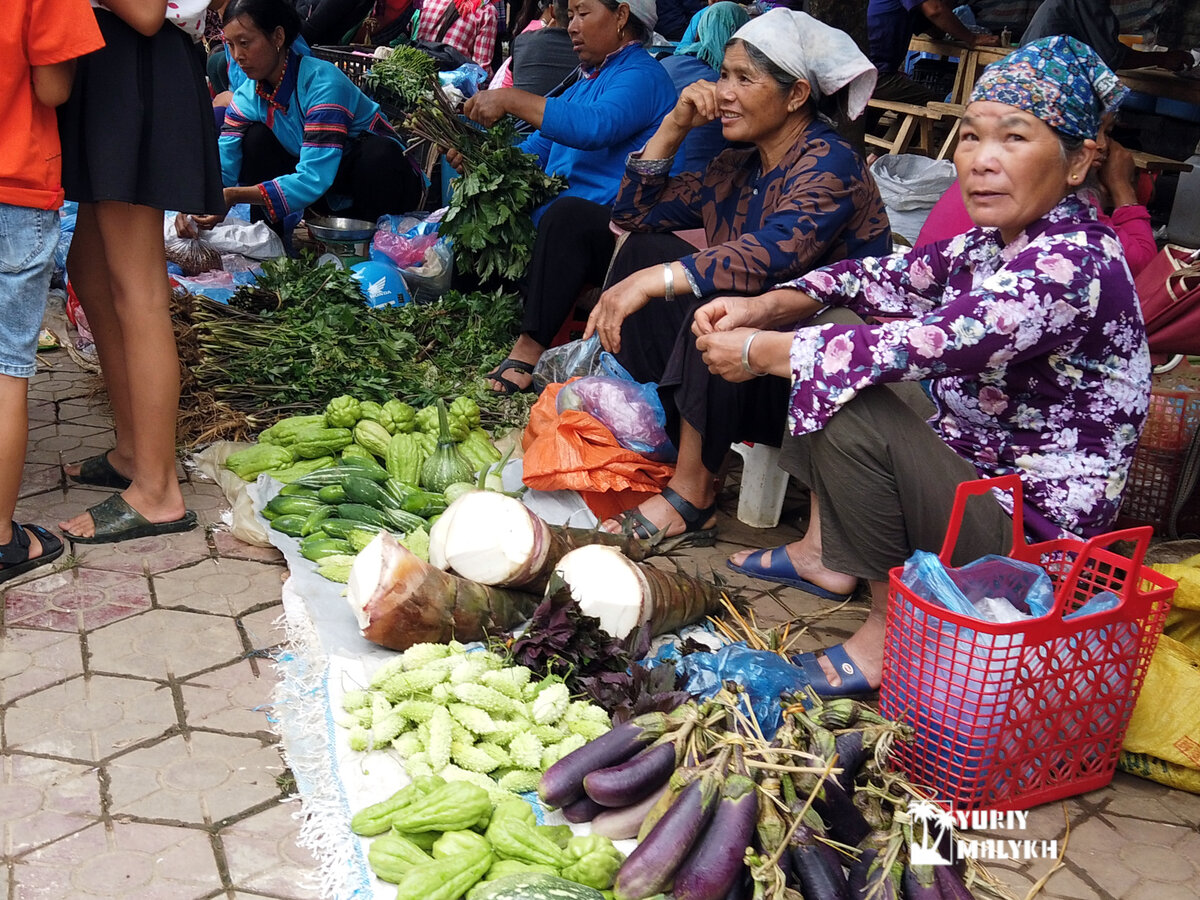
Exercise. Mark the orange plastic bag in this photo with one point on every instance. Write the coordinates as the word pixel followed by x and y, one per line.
pixel 572 451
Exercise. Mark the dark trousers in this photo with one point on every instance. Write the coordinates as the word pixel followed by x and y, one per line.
pixel 574 250
pixel 374 173
pixel 885 483
pixel 331 20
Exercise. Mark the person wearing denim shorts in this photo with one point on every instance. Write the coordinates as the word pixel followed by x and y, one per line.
pixel 39 41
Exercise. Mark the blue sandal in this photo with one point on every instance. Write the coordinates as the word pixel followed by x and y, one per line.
pixel 853 684
pixel 781 571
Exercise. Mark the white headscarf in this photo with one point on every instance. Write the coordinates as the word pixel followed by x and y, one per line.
pixel 645 12
pixel 826 57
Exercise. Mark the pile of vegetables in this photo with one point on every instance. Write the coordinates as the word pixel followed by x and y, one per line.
pixel 469 716
pixel 490 561
pixel 363 467
pixel 302 335
pixel 719 812
pixel 439 840
pixel 405 73
pixel 489 217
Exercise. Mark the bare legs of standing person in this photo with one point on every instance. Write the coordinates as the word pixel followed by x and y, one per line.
pixel 118 268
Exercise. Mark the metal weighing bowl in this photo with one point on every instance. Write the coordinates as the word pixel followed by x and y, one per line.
pixel 338 229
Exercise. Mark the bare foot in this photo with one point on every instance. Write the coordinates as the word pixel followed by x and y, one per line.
pixel 663 515
pixel 808 565
pixel 160 510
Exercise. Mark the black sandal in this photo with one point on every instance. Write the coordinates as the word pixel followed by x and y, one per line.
pixel 97 470
pixel 694 534
pixel 506 386
pixel 14 556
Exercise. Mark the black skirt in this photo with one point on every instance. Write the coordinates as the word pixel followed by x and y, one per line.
pixel 139 126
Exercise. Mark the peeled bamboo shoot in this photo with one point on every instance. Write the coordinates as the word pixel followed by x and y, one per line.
pixel 624 594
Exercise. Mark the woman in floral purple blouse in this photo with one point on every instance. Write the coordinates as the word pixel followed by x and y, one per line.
pixel 1027 328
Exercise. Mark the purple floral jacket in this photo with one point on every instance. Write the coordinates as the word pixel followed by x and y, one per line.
pixel 1035 350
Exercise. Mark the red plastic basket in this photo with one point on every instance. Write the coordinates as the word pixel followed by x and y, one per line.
pixel 1010 716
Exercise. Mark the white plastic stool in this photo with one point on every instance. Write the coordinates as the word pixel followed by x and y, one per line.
pixel 764 484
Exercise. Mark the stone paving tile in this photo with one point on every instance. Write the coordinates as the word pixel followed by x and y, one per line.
pixel 1141 799
pixel 38 478
pixel 263 856
pixel 207 499
pixel 31 660
pixel 90 718
pixel 58 506
pixel 199 779
pixel 65 442
pixel 42 800
pixel 160 553
pixel 162 643
pixel 229 547
pixel 74 409
pixel 124 861
pixel 265 629
pixel 76 600
pixel 1093 851
pixel 42 412
pixel 221 586
pixel 235 699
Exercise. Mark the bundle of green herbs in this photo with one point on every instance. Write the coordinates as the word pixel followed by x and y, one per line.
pixel 303 335
pixel 406 74
pixel 489 217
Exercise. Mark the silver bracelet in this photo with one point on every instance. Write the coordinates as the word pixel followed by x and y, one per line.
pixel 691 280
pixel 668 282
pixel 649 168
pixel 746 355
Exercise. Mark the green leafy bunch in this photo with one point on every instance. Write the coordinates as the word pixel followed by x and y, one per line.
pixel 490 211
pixel 407 74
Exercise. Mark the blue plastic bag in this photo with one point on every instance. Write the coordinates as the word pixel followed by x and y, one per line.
pixel 966 589
pixel 763 675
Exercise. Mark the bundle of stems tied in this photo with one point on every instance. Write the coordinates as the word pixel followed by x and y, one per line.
pixel 489 217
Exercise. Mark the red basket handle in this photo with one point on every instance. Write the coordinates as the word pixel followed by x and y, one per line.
pixel 1010 483
pixel 1141 538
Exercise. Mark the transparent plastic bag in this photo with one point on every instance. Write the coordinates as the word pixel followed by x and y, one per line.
pixel 402 251
pixel 631 411
pixel 980 588
pixel 576 359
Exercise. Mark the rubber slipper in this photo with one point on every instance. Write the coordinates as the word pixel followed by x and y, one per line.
pixel 98 471
pixel 781 571
pixel 115 520
pixel 14 556
pixel 694 534
pixel 506 386
pixel 853 684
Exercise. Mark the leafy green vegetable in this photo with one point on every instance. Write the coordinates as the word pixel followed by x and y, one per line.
pixel 406 74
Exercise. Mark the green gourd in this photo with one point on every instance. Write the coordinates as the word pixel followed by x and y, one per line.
pixel 445 465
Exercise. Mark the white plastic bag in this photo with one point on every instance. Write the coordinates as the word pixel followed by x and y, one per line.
pixel 908 181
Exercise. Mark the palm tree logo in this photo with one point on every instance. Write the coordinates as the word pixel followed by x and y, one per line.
pixel 932 830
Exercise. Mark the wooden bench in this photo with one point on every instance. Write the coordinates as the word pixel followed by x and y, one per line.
pixel 911 128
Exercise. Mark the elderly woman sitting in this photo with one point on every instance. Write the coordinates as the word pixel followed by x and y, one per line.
pixel 1027 326
pixel 800 198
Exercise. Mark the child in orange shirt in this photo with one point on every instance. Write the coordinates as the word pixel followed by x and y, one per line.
pixel 39 41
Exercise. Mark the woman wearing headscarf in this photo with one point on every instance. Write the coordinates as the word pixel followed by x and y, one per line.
pixel 700 60
pixel 1027 327
pixel 800 198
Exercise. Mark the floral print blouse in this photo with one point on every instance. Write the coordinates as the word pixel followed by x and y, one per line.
pixel 1035 351
pixel 819 205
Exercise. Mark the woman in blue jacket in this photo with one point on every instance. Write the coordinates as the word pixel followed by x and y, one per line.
pixel 608 108
pixel 299 133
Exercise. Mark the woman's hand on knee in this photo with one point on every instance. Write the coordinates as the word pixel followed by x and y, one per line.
pixel 617 303
pixel 721 351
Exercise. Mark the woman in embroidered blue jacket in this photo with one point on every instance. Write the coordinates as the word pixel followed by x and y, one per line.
pixel 299 133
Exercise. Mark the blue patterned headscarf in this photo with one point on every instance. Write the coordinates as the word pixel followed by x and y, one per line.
pixel 715 27
pixel 1060 80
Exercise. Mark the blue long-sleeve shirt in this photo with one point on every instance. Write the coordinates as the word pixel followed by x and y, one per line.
pixel 314 113
pixel 588 131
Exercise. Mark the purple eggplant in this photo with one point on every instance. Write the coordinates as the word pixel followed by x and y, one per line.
pixel 851 754
pixel 621 824
pixel 562 783
pixel 633 780
pixel 585 809
pixel 844 822
pixel 869 880
pixel 717 861
pixel 650 868
pixel 950 883
pixel 920 883
pixel 818 867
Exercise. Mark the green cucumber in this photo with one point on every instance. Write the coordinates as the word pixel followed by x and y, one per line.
pixel 319 548
pixel 363 490
pixel 385 518
pixel 298 490
pixel 292 526
pixel 291 505
pixel 342 528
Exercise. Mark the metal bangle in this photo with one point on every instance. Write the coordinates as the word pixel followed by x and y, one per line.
pixel 668 282
pixel 746 355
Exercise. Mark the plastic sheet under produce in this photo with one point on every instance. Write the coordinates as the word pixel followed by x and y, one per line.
pixel 763 675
